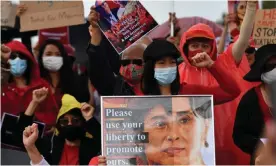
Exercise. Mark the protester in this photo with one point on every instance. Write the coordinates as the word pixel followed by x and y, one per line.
pixel 102 57
pixel 161 75
pixel 23 78
pixel 57 68
pixel 224 40
pixel 255 107
pixel 77 138
pixel 200 38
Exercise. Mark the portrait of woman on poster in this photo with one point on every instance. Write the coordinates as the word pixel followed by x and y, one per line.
pixel 178 130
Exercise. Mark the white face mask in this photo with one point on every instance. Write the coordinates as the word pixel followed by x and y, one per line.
pixel 269 77
pixel 52 63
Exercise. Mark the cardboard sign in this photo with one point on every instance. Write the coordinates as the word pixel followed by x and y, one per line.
pixel 265 27
pixel 61 34
pixel 157 130
pixel 8 14
pixel 51 14
pixel 125 23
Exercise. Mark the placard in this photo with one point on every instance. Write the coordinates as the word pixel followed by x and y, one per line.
pixel 8 131
pixel 61 34
pixel 8 14
pixel 265 27
pixel 155 130
pixel 123 22
pixel 51 14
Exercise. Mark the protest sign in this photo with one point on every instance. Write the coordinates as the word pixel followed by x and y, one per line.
pixel 124 22
pixel 61 34
pixel 8 14
pixel 167 130
pixel 237 9
pixel 9 131
pixel 265 27
pixel 51 14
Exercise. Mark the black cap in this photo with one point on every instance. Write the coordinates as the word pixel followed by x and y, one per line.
pixel 261 57
pixel 160 48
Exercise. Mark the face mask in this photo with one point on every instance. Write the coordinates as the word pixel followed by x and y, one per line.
pixel 165 76
pixel 52 63
pixel 72 133
pixel 18 66
pixel 132 73
pixel 269 77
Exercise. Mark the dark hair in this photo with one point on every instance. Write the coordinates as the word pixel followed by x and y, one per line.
pixel 149 84
pixel 66 71
pixel 28 72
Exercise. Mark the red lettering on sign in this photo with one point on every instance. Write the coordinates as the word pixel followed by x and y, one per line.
pixel 269 15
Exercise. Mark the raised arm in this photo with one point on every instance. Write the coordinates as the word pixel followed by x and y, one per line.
pixel 246 29
pixel 101 73
pixel 228 88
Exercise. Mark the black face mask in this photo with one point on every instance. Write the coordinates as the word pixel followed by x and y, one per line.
pixel 72 133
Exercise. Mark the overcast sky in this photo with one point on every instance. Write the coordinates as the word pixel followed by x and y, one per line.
pixel 211 10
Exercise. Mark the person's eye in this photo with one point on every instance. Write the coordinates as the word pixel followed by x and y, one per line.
pixel 173 61
pixel 195 45
pixel 184 120
pixel 160 124
pixel 160 62
pixel 206 46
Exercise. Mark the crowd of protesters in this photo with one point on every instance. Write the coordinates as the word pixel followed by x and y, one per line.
pixel 45 87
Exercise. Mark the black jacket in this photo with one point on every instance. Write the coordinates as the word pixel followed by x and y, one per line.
pixel 249 124
pixel 52 151
pixel 104 64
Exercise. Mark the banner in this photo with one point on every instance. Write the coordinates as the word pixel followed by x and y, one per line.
pixel 167 130
pixel 61 34
pixel 8 14
pixel 51 14
pixel 265 27
pixel 124 22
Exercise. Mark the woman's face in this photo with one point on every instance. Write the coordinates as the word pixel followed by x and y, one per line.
pixel 241 9
pixel 174 137
pixel 51 50
pixel 165 62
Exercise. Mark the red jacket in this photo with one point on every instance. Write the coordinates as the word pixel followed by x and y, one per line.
pixel 16 100
pixel 226 151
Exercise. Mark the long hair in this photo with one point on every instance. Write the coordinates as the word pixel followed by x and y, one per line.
pixel 66 71
pixel 149 84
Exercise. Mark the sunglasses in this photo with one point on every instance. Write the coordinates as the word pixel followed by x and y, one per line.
pixel 65 121
pixel 269 67
pixel 14 55
pixel 126 62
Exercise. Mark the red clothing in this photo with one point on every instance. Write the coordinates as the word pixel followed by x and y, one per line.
pixel 94 161
pixel 15 100
pixel 226 151
pixel 264 107
pixel 70 155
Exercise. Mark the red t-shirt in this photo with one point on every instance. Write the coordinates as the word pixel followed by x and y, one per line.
pixel 70 155
pixel 264 107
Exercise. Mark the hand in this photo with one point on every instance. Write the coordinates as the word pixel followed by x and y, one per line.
pixel 5 53
pixel 40 95
pixel 102 160
pixel 21 9
pixel 252 4
pixel 230 18
pixel 30 135
pixel 94 17
pixel 202 60
pixel 268 152
pixel 87 111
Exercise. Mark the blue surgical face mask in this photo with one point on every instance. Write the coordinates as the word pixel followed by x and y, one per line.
pixel 165 76
pixel 18 66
